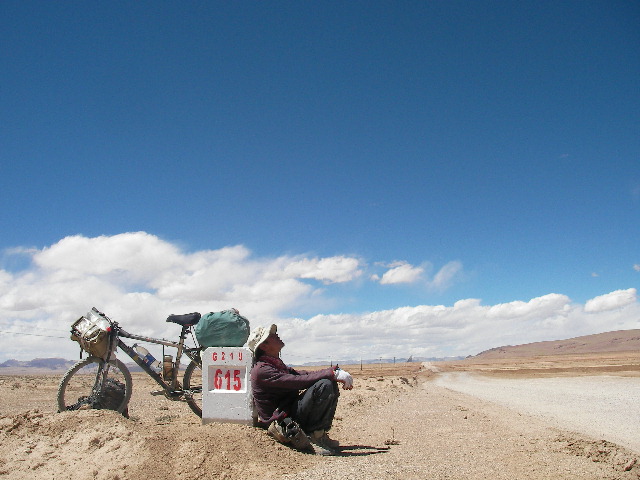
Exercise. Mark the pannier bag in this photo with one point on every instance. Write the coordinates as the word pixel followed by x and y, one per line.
pixel 222 329
pixel 91 331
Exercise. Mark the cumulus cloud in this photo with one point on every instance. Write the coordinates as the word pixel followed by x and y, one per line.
pixel 467 327
pixel 327 270
pixel 105 268
pixel 636 267
pixel 401 273
pixel 141 278
pixel 611 301
pixel 138 279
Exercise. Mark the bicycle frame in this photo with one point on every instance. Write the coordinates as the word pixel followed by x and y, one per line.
pixel 170 388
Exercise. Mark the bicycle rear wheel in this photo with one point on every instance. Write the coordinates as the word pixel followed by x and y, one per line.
pixel 78 389
pixel 193 381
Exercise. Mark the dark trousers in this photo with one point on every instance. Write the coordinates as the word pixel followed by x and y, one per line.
pixel 317 405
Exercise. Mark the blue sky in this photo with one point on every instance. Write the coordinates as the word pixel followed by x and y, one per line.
pixel 467 150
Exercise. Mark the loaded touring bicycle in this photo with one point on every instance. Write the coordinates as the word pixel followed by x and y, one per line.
pixel 103 381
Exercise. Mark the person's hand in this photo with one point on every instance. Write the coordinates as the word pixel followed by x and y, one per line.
pixel 344 378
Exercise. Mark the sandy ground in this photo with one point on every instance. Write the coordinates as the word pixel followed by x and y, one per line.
pixel 397 423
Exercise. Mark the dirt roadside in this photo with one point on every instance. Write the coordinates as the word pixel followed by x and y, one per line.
pixel 395 424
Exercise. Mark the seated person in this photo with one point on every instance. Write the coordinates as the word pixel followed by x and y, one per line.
pixel 309 398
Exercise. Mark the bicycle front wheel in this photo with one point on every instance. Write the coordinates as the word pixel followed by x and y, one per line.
pixel 79 388
pixel 193 383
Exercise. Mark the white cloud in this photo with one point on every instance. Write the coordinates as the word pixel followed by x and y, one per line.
pixel 611 301
pixel 138 279
pixel 404 272
pixel 401 273
pixel 327 270
pixel 136 257
pixel 446 275
pixel 544 306
pixel 468 327
pixel 636 267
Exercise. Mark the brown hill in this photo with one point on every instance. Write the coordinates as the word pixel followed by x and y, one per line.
pixel 618 341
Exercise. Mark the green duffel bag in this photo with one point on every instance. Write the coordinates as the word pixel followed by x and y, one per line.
pixel 222 329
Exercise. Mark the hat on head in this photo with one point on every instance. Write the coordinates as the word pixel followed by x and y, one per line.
pixel 259 335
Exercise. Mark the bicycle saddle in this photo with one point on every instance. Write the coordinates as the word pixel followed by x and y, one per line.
pixel 185 319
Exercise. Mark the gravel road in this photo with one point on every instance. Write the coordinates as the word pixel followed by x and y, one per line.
pixel 603 407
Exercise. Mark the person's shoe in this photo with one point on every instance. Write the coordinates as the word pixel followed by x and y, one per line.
pixel 294 437
pixel 324 439
pixel 322 444
pixel 301 442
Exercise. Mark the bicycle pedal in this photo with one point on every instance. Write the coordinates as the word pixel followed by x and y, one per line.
pixel 157 392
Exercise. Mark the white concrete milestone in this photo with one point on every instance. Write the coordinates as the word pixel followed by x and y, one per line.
pixel 226 385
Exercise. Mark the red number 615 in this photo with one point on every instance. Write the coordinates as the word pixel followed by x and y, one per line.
pixel 223 380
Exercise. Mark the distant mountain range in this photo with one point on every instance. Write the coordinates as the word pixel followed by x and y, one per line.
pixel 39 363
pixel 618 341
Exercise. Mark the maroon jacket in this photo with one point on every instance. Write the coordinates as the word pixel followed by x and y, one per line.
pixel 276 386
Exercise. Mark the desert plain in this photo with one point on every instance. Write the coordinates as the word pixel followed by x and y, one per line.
pixel 401 421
